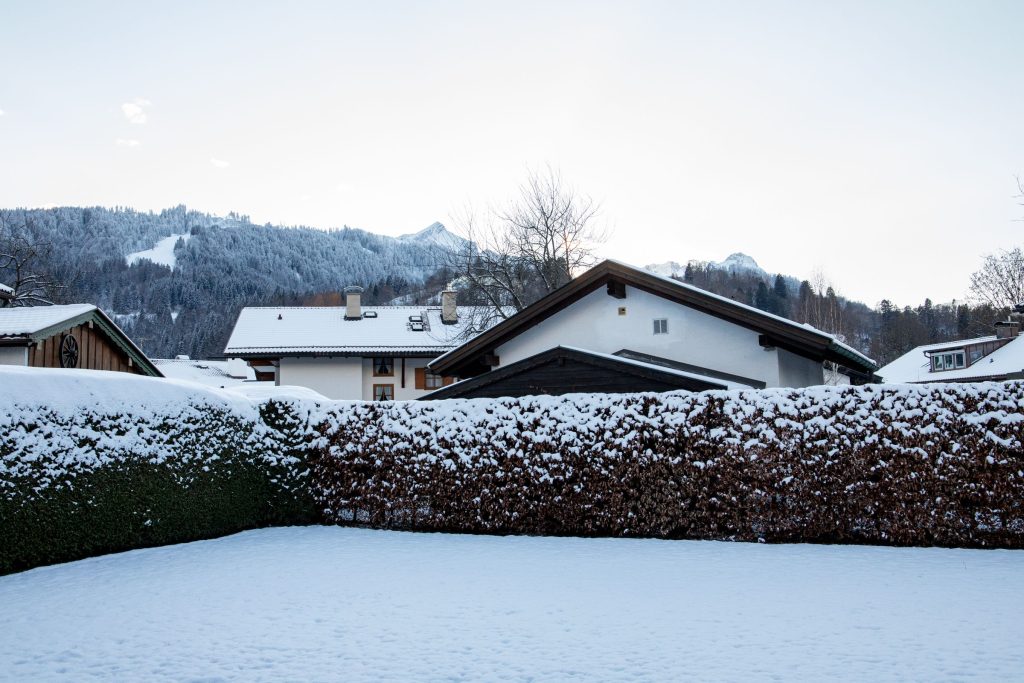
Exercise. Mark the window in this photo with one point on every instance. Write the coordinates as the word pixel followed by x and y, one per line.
pixel 661 326
pixel 383 367
pixel 383 392
pixel 975 354
pixel 948 361
pixel 432 381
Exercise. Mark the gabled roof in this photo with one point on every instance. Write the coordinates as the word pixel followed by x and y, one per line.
pixel 1006 362
pixel 665 378
pixel 25 325
pixel 319 331
pixel 778 331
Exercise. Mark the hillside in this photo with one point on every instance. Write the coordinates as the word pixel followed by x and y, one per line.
pixel 175 280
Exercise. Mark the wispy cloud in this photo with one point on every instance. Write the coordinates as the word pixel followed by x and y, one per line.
pixel 135 111
pixel 126 142
pixel 220 163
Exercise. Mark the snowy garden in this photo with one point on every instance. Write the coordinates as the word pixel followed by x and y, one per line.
pixel 550 566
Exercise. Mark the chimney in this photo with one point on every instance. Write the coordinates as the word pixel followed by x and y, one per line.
pixel 449 308
pixel 353 308
pixel 1007 329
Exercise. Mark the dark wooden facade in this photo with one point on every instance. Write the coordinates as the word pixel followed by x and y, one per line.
pixel 95 351
pixel 568 371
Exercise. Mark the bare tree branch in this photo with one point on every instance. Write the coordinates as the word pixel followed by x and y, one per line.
pixel 540 240
pixel 22 258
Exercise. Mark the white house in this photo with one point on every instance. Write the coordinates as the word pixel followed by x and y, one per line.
pixel 352 352
pixel 619 328
pixel 998 357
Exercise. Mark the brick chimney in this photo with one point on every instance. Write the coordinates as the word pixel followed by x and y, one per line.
pixel 449 307
pixel 353 307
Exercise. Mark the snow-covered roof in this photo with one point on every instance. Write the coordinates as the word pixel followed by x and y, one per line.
pixel 29 320
pixel 914 365
pixel 6 292
pixel 324 330
pixel 213 373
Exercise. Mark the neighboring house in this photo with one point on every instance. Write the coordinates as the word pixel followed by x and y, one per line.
pixel 6 294
pixel 213 373
pixel 997 358
pixel 352 352
pixel 71 336
pixel 617 328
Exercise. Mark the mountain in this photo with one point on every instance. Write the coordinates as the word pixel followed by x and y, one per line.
pixel 175 280
pixel 734 263
pixel 435 235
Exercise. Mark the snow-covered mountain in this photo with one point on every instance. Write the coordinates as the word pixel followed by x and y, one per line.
pixel 734 263
pixel 436 235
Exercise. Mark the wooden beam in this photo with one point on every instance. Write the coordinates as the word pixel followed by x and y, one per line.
pixel 617 289
pixel 490 360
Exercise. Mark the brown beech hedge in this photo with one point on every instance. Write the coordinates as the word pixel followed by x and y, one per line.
pixel 903 465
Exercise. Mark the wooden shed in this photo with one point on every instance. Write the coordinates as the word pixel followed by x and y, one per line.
pixel 68 336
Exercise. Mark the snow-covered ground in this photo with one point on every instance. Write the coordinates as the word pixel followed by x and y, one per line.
pixel 333 604
pixel 161 253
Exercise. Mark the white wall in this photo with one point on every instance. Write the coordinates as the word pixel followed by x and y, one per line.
pixel 350 378
pixel 594 323
pixel 13 355
pixel 797 371
pixel 332 377
pixel 401 394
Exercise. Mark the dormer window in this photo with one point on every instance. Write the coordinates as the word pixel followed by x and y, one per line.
pixel 949 360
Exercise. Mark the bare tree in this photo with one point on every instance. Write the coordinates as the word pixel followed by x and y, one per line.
pixel 22 267
pixel 1000 280
pixel 540 240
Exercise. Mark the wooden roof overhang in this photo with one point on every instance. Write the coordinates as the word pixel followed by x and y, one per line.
pixel 468 359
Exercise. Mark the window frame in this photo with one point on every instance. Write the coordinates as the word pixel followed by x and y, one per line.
pixel 432 380
pixel 660 325
pixel 387 388
pixel 390 362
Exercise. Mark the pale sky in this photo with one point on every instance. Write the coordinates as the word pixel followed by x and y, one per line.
pixel 878 142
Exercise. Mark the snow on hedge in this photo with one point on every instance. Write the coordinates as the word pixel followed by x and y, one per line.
pixel 937 464
pixel 96 461
pixel 108 461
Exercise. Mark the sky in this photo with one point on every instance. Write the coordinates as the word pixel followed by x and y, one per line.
pixel 877 143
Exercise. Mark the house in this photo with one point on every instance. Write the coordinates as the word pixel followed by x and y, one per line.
pixel 213 373
pixel 998 357
pixel 617 328
pixel 68 336
pixel 6 294
pixel 352 352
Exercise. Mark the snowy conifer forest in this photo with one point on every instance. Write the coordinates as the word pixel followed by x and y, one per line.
pixel 183 296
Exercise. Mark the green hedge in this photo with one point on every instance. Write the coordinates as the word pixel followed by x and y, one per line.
pixel 117 482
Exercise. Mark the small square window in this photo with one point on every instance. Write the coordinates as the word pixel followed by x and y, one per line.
pixel 433 381
pixel 661 326
pixel 383 392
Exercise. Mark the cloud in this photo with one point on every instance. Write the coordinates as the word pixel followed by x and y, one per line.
pixel 135 111
pixel 219 163
pixel 126 142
